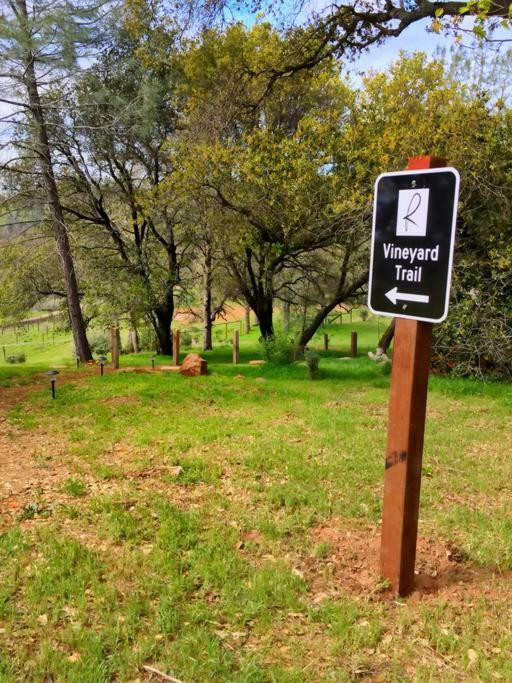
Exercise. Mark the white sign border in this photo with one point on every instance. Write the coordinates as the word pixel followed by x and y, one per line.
pixel 393 174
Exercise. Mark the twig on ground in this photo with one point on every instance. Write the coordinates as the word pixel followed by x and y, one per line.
pixel 164 677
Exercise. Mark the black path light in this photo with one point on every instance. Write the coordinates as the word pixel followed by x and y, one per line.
pixel 52 375
pixel 77 362
pixel 102 360
pixel 153 362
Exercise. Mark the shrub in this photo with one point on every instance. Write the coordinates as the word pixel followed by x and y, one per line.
pixel 312 359
pixel 476 339
pixel 195 333
pixel 147 339
pixel 16 358
pixel 75 487
pixel 99 343
pixel 279 349
pixel 186 338
pixel 220 336
pixel 364 314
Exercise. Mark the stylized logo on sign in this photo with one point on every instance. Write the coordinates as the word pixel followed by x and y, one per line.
pixel 412 213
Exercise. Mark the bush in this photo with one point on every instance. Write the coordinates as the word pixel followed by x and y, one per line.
pixel 99 343
pixel 186 339
pixel 147 339
pixel 279 349
pixel 312 359
pixel 16 358
pixel 363 315
pixel 475 340
pixel 195 333
pixel 220 336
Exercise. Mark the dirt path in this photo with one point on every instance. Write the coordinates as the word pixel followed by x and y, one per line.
pixel 33 462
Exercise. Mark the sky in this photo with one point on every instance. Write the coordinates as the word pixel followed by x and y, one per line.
pixel 415 38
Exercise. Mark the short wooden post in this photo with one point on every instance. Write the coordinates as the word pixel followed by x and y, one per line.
pixel 353 344
pixel 404 451
pixel 236 347
pixel 116 344
pixel 326 342
pixel 176 347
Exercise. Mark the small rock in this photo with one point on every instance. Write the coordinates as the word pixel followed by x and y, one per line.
pixel 194 365
pixel 472 656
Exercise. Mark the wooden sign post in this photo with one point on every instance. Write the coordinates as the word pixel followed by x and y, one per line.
pixel 409 229
pixel 176 347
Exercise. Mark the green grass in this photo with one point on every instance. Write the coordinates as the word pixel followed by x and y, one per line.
pixel 184 532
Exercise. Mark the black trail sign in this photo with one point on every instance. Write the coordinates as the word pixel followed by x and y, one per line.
pixel 412 243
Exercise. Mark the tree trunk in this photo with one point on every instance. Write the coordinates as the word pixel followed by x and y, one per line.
pixel 387 337
pixel 247 319
pixel 384 342
pixel 309 331
pixel 322 314
pixel 59 227
pixel 134 334
pixel 207 303
pixel 161 321
pixel 264 311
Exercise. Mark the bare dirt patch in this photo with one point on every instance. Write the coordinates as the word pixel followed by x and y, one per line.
pixel 349 563
pixel 120 401
pixel 33 468
pixel 34 462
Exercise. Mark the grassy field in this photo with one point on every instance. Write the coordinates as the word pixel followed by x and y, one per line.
pixel 226 528
pixel 48 346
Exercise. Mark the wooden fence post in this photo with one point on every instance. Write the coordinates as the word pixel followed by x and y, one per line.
pixel 406 426
pixel 353 344
pixel 176 347
pixel 326 342
pixel 116 344
pixel 236 347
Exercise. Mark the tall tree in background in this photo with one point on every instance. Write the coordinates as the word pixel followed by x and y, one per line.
pixel 265 160
pixel 115 144
pixel 37 40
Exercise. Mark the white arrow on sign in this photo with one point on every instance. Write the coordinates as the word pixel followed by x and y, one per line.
pixel 394 295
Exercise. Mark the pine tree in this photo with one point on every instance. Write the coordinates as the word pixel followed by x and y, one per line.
pixel 41 41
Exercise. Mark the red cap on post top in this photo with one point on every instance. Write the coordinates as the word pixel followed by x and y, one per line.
pixel 425 161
